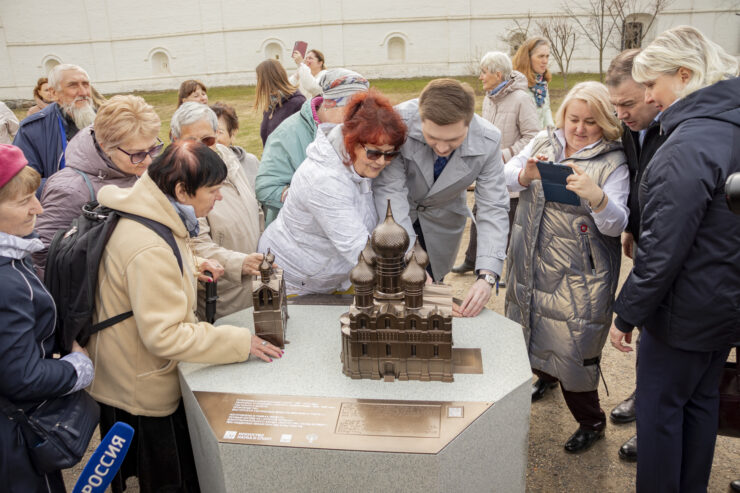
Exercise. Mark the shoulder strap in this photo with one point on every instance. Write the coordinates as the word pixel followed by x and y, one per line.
pixel 166 234
pixel 87 182
pixel 163 231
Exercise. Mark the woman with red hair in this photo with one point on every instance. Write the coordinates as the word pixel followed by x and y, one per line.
pixel 329 214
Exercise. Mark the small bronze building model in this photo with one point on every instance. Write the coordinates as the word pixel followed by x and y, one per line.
pixel 270 303
pixel 391 331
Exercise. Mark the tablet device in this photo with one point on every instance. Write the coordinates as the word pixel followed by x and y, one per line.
pixel 553 183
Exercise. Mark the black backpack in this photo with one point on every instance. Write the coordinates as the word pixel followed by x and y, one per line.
pixel 72 270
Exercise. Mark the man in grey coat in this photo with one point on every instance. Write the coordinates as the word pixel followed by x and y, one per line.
pixel 448 148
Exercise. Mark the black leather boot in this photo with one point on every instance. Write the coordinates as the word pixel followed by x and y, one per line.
pixel 539 388
pixel 624 412
pixel 582 440
pixel 628 451
pixel 463 268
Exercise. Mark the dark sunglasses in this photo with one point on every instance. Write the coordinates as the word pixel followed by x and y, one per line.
pixel 207 141
pixel 374 154
pixel 138 157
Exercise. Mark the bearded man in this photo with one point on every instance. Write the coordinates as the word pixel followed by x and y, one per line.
pixel 43 136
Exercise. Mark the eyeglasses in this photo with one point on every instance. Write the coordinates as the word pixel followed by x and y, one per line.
pixel 375 154
pixel 138 157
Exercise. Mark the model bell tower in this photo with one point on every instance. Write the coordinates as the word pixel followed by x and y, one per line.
pixel 270 302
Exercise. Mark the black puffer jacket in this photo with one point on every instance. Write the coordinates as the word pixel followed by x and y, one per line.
pixel 685 285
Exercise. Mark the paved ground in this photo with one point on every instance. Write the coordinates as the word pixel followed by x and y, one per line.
pixel 550 468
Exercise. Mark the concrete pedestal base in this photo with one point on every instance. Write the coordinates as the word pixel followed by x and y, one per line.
pixel 489 455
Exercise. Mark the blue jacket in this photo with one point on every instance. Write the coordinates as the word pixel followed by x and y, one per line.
pixel 284 151
pixel 40 139
pixel 685 285
pixel 28 374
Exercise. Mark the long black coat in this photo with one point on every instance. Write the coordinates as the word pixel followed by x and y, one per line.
pixel 28 374
pixel 685 285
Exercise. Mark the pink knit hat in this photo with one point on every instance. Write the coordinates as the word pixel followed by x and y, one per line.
pixel 12 161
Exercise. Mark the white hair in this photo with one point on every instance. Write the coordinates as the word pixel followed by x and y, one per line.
pixel 687 47
pixel 496 61
pixel 55 76
pixel 189 113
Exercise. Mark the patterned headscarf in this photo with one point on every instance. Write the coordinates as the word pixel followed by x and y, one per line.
pixel 539 89
pixel 339 85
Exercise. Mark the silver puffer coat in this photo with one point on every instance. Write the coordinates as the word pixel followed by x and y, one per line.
pixel 562 274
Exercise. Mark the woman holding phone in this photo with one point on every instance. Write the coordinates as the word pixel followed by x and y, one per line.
pixel 563 260
pixel 311 67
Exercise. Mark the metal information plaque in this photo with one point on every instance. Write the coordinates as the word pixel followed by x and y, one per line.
pixel 337 423
pixel 467 360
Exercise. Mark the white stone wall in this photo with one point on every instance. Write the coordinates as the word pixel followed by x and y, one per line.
pixel 128 45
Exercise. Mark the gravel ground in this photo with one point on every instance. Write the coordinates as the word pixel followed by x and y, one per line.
pixel 550 468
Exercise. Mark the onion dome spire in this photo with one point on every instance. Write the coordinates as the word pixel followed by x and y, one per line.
pixel 389 239
pixel 363 279
pixel 421 256
pixel 412 280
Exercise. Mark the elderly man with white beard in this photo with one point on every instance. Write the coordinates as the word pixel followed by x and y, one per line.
pixel 43 136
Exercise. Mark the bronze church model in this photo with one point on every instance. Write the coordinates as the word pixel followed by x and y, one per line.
pixel 270 303
pixel 392 330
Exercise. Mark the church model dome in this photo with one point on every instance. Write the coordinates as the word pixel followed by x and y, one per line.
pixel 392 331
pixel 389 238
pixel 369 253
pixel 421 256
pixel 413 276
pixel 412 281
pixel 362 274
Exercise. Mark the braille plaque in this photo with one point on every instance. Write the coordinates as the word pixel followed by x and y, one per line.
pixel 337 423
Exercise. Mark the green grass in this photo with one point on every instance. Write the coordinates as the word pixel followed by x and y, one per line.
pixel 242 99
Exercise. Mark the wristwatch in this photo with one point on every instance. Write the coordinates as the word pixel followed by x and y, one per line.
pixel 490 279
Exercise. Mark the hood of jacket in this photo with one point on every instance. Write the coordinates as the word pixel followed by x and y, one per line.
pixel 720 101
pixel 144 199
pixel 84 153
pixel 517 82
pixel 326 149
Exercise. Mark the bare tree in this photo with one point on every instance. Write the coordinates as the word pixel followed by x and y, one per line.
pixel 596 23
pixel 562 34
pixel 517 35
pixel 630 31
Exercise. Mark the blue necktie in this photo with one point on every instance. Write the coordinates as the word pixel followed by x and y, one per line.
pixel 439 165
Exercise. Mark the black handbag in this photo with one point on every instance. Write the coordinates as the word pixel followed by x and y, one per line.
pixel 57 431
pixel 729 398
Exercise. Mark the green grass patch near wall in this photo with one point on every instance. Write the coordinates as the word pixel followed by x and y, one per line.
pixel 242 99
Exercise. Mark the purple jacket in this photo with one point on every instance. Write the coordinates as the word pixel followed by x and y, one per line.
pixel 66 191
pixel 291 105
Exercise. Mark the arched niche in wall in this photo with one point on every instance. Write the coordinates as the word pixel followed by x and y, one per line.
pixel 49 62
pixel 395 44
pixel 273 48
pixel 160 59
pixel 634 30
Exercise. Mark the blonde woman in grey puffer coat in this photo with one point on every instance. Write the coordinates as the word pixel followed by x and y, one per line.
pixel 563 260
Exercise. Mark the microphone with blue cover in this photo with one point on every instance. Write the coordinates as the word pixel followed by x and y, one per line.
pixel 106 460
